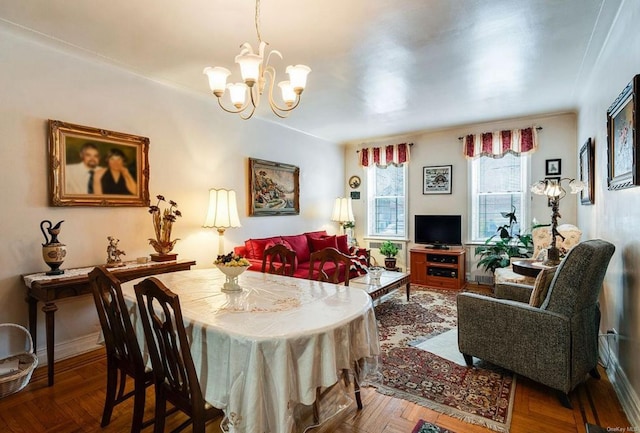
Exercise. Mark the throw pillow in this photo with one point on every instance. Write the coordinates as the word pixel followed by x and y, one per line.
pixel 300 245
pixel 541 287
pixel 318 244
pixel 343 244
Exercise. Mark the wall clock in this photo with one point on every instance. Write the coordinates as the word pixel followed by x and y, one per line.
pixel 354 182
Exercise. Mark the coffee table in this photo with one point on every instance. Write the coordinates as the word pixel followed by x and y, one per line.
pixel 388 282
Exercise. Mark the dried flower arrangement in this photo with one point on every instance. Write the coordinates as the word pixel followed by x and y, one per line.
pixel 162 224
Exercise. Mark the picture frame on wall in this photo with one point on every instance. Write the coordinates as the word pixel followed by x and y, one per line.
pixel 623 170
pixel 95 167
pixel 274 188
pixel 437 179
pixel 586 172
pixel 553 167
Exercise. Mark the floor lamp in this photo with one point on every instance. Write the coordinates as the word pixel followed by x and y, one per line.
pixel 222 213
pixel 553 190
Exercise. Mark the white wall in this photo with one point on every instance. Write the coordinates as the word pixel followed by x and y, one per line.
pixel 556 140
pixel 194 146
pixel 615 216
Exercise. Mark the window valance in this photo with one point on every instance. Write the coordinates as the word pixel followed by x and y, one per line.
pixel 497 144
pixel 396 154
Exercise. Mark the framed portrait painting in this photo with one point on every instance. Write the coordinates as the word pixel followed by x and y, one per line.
pixel 274 188
pixel 586 172
pixel 95 167
pixel 436 179
pixel 622 139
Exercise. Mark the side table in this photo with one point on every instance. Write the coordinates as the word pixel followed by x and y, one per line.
pixel 75 282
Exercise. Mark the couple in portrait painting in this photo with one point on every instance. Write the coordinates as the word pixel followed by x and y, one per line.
pixel 88 176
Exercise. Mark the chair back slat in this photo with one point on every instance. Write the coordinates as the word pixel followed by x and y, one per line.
pixel 336 272
pixel 279 260
pixel 119 337
pixel 168 344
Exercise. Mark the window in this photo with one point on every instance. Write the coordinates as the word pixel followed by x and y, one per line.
pixel 386 194
pixel 498 185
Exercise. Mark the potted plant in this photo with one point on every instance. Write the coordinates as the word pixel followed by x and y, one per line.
pixel 497 253
pixel 389 251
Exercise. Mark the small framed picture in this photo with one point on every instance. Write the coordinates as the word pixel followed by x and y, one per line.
pixel 437 179
pixel 553 167
pixel 586 172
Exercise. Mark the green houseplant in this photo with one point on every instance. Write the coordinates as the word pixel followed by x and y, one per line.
pixel 389 251
pixel 497 251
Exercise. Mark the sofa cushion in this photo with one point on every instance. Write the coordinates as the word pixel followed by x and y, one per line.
pixel 318 234
pixel 300 245
pixel 343 244
pixel 256 247
pixel 318 244
pixel 541 287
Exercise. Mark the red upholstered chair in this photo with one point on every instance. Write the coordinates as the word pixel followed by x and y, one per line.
pixel 329 265
pixel 279 260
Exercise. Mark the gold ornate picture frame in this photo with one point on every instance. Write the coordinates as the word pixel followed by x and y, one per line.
pixel 96 167
pixel 274 188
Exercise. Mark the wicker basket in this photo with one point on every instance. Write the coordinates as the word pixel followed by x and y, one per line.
pixel 15 381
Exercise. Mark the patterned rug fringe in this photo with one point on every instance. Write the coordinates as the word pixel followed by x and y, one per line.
pixel 463 416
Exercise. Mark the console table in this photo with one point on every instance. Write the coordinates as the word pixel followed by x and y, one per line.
pixel 75 282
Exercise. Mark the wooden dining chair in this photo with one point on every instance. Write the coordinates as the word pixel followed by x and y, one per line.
pixel 329 265
pixel 175 375
pixel 279 260
pixel 123 352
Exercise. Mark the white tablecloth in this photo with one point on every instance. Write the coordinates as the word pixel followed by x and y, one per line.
pixel 262 351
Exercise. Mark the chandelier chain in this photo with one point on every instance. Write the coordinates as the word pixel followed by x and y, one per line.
pixel 257 19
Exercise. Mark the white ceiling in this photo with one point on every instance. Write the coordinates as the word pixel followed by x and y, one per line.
pixel 378 67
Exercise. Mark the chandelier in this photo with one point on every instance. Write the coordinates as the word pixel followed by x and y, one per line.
pixel 256 75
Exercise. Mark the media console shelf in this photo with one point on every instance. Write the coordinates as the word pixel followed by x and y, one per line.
pixel 438 268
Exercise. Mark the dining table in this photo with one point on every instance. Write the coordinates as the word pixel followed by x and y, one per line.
pixel 263 352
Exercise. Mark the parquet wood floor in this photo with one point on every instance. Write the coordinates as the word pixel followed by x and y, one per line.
pixel 75 402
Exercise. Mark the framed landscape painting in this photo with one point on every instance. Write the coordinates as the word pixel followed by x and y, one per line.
pixel 436 179
pixel 622 139
pixel 95 167
pixel 274 188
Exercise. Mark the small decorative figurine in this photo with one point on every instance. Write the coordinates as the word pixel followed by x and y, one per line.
pixel 53 252
pixel 113 253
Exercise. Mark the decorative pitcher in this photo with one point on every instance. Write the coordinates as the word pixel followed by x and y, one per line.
pixel 53 252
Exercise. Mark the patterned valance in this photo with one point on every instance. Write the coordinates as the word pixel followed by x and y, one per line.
pixel 497 144
pixel 396 154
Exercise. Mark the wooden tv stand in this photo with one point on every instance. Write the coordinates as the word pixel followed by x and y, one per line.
pixel 438 268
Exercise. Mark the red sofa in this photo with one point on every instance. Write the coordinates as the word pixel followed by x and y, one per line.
pixel 303 245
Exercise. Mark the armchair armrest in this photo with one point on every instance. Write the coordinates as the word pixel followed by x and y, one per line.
pixel 513 292
pixel 528 340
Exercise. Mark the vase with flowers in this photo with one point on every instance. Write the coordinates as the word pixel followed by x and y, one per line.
pixel 163 220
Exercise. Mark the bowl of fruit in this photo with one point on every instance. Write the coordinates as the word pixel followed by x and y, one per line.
pixel 231 265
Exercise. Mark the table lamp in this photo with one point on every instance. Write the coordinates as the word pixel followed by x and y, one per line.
pixel 222 213
pixel 342 212
pixel 552 188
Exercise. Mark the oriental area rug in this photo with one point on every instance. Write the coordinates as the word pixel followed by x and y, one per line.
pixel 414 369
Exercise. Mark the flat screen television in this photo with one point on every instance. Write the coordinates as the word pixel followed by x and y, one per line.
pixel 438 231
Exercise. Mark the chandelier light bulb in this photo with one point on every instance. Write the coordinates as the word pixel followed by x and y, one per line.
pixel 238 93
pixel 288 94
pixel 249 66
pixel 298 77
pixel 217 79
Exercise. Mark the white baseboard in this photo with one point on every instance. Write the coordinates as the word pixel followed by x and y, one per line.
pixel 626 394
pixel 71 348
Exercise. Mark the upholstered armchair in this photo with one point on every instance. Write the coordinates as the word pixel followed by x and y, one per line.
pixel 541 237
pixel 555 344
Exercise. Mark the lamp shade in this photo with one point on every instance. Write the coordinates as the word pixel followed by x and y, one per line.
pixel 223 209
pixel 342 210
